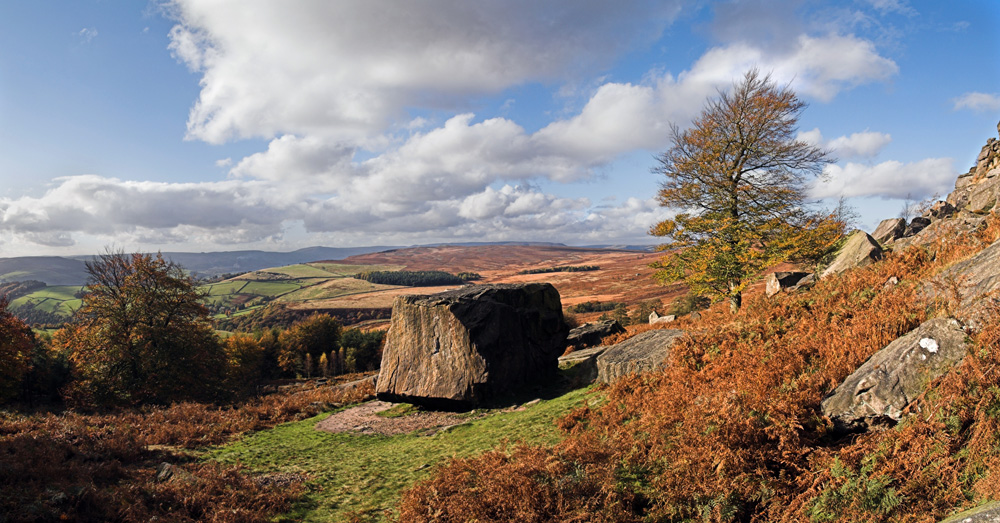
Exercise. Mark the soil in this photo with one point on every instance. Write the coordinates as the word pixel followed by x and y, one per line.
pixel 363 419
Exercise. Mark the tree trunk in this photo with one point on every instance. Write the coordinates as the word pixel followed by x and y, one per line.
pixel 735 301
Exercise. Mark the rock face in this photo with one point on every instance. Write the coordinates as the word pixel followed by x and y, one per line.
pixel 459 348
pixel 641 353
pixel 591 334
pixel 889 230
pixel 656 318
pixel 893 377
pixel 978 276
pixel 988 513
pixel 860 250
pixel 585 362
pixel 787 281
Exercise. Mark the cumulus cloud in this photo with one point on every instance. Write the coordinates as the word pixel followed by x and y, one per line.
pixel 867 144
pixel 889 179
pixel 979 102
pixel 347 69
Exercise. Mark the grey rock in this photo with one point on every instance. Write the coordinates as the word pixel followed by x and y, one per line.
pixel 988 513
pixel 776 282
pixel 916 225
pixel 941 210
pixel 978 277
pixel 981 197
pixel 860 250
pixel 963 180
pixel 655 318
pixel 460 348
pixel 590 334
pixel 962 223
pixel 879 391
pixel 644 352
pixel 889 230
pixel 695 316
pixel 584 363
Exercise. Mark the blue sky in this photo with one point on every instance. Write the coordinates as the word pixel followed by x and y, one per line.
pixel 223 125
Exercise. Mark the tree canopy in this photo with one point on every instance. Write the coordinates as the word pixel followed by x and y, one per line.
pixel 141 334
pixel 738 177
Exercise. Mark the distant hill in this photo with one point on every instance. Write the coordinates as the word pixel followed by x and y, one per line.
pixel 53 270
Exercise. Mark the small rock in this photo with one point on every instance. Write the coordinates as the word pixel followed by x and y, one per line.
pixel 778 281
pixel 889 230
pixel 916 225
pixel 891 282
pixel 655 318
pixel 591 334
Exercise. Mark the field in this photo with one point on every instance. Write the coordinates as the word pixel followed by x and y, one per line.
pixel 622 276
pixel 59 300
pixel 365 473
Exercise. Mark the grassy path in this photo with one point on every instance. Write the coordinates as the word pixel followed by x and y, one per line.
pixel 366 473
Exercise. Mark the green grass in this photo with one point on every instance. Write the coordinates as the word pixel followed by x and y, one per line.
pixel 366 473
pixel 57 299
pixel 225 288
pixel 270 288
pixel 302 271
pixel 346 270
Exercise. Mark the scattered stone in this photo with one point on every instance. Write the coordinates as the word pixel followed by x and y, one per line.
pixel 644 352
pixel 889 230
pixel 891 282
pixel 789 281
pixel 860 250
pixel 941 210
pixel 591 334
pixel 655 318
pixel 457 349
pixel 879 391
pixel 695 316
pixel 916 225
pixel 166 472
pixel 988 513
pixel 584 363
pixel 362 383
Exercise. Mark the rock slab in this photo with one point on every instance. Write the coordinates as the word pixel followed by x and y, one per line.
pixel 643 352
pixel 585 363
pixel 988 513
pixel 895 376
pixel 889 230
pixel 860 250
pixel 460 348
pixel 590 334
pixel 779 281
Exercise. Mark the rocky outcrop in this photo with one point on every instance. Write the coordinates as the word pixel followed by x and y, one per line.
pixel 643 352
pixel 655 318
pixel 583 362
pixel 460 348
pixel 889 230
pixel 786 281
pixel 879 391
pixel 975 279
pixel 860 250
pixel 977 190
pixel 590 334
pixel 988 513
pixel 916 225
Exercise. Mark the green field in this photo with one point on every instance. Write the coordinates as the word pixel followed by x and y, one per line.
pixel 56 299
pixel 366 473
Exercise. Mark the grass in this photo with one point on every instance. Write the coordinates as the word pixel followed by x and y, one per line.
pixel 365 474
pixel 347 270
pixel 270 288
pixel 58 299
pixel 303 271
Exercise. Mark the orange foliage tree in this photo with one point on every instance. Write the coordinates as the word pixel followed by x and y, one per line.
pixel 16 343
pixel 141 335
pixel 739 176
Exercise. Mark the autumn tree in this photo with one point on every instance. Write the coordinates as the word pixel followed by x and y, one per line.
pixel 16 345
pixel 142 334
pixel 738 177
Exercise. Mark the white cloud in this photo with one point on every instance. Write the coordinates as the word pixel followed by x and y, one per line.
pixel 867 144
pixel 890 179
pixel 348 69
pixel 979 102
pixel 893 6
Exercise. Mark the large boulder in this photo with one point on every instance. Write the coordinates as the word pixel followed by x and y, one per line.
pixel 590 334
pixel 643 352
pixel 978 276
pixel 776 282
pixel 889 230
pixel 655 318
pixel 460 348
pixel 859 250
pixel 916 225
pixel 879 391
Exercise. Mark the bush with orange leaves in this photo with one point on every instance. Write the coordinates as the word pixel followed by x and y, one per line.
pixel 731 430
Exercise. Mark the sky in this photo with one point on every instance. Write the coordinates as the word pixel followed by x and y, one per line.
pixel 202 125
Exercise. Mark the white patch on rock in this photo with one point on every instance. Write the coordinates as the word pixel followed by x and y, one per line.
pixel 929 344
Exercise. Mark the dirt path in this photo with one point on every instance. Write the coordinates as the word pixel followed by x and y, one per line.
pixel 362 419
